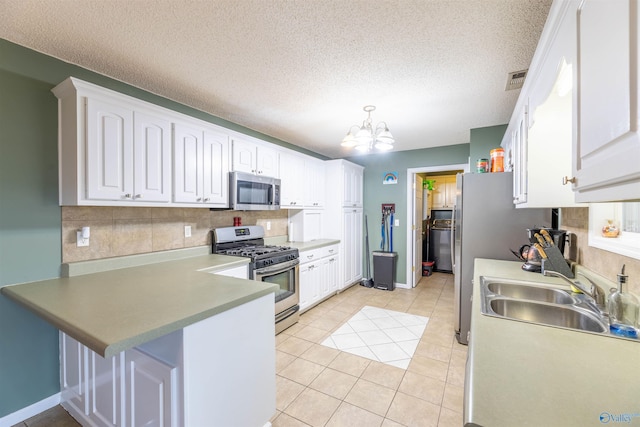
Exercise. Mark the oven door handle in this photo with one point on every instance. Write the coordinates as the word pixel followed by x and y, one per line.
pixel 281 266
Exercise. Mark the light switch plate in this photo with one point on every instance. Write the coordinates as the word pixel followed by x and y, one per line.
pixel 396 223
pixel 187 231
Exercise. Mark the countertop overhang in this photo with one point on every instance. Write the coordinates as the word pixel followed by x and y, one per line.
pixel 115 310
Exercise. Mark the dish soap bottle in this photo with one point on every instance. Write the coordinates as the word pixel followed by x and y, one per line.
pixel 623 310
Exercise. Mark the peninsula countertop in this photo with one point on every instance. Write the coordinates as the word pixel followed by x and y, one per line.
pixel 115 310
pixel 523 374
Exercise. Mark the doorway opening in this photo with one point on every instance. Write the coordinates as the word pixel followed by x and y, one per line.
pixel 416 214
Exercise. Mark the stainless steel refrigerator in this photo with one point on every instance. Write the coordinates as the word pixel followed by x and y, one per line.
pixel 486 225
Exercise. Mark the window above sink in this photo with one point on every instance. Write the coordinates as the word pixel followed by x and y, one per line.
pixel 626 218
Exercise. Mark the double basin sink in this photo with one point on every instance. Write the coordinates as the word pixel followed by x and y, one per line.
pixel 540 304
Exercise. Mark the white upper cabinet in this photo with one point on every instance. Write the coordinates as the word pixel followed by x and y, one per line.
pixel 116 150
pixel 352 181
pixel 201 165
pixel 303 181
pixel 292 183
pixel 313 183
pixel 606 154
pixel 581 94
pixel 152 158
pixel 253 157
pixel 113 151
pixel 539 137
pixel 216 168
pixel 109 147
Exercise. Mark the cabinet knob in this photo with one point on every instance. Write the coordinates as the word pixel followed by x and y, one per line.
pixel 138 196
pixel 566 180
pixel 206 199
pixel 127 196
pixel 199 199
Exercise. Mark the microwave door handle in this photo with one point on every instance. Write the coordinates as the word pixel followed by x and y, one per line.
pixel 272 194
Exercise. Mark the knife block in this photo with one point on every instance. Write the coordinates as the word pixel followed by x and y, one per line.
pixel 556 262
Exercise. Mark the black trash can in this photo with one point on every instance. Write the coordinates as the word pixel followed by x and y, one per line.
pixel 384 269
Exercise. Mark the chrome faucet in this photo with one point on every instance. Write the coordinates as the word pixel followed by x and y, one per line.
pixel 595 292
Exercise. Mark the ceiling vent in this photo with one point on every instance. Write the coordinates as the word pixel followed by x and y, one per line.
pixel 515 79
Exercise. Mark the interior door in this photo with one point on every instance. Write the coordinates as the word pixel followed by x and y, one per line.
pixel 417 230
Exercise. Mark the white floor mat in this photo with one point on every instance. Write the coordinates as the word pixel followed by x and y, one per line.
pixel 387 336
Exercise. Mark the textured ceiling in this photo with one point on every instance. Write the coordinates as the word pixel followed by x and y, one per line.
pixel 301 70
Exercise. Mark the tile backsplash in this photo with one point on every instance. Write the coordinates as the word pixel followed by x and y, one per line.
pixel 118 231
pixel 604 263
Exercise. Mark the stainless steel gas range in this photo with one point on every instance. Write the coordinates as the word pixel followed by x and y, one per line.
pixel 274 264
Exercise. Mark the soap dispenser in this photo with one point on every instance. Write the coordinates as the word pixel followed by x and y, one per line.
pixel 623 310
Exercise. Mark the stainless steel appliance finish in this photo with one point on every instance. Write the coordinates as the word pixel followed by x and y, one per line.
pixel 249 192
pixel 274 264
pixel 486 225
pixel 440 247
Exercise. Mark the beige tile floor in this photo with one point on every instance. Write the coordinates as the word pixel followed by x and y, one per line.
pixel 321 386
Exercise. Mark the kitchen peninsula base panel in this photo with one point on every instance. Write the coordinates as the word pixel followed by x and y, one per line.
pixel 219 371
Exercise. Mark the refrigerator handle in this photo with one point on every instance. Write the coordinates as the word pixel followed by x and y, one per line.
pixel 453 237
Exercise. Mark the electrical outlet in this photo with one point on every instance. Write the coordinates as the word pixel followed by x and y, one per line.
pixel 80 241
pixel 396 223
pixel 268 225
pixel 187 231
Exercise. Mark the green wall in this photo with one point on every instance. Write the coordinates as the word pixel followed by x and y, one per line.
pixel 376 193
pixel 29 236
pixel 483 140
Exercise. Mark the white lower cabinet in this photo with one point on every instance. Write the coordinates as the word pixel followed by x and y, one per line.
pixel 73 375
pixel 151 390
pixel 319 275
pixel 131 388
pixel 105 389
pixel 206 374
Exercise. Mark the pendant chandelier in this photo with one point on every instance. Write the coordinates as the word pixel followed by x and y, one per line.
pixel 365 137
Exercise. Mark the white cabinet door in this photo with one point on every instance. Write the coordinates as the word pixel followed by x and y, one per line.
pixel 201 166
pixel 254 158
pixel 357 242
pixel 73 375
pixel 606 152
pixel 109 151
pixel 312 182
pixel 292 180
pixel 267 161
pixel 188 159
pixel 105 390
pixel 152 158
pixel 333 274
pixel 352 181
pixel 519 146
pixel 351 250
pixel 216 168
pixel 244 156
pixel 151 389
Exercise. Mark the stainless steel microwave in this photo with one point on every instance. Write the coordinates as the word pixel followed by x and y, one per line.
pixel 248 192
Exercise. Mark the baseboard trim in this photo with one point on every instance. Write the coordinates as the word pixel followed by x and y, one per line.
pixel 402 285
pixel 29 411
